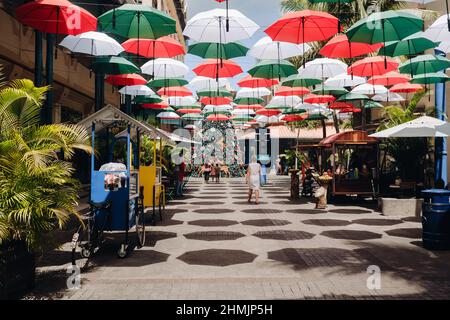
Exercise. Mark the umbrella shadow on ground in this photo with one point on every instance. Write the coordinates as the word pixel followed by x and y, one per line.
pixel 214 235
pixel 327 222
pixel 265 222
pixel 217 257
pixel 213 223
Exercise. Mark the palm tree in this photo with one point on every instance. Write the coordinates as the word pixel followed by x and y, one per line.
pixel 38 192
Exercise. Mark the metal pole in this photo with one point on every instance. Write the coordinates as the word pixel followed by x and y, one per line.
pixel 47 110
pixel 441 143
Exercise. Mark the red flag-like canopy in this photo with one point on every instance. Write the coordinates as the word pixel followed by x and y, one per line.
pixel 341 105
pixel 319 98
pixel 217 117
pixel 340 47
pixel 161 105
pixel 372 66
pixel 268 112
pixel 406 87
pixel 177 91
pixel 251 82
pixel 389 79
pixel 289 91
pixel 164 47
pixel 216 101
pixel 129 79
pixel 216 68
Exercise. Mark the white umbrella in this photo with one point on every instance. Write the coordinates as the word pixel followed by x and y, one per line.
pixel 210 26
pixel 136 90
pixel 369 89
pixel 220 108
pixel 388 97
pixel 182 101
pixel 266 119
pixel 438 31
pixel 252 92
pixel 444 46
pixel 310 107
pixel 92 43
pixel 205 83
pixel 266 48
pixel 285 101
pixel 421 127
pixel 169 115
pixel 165 68
pixel 345 80
pixel 322 68
pixel 243 111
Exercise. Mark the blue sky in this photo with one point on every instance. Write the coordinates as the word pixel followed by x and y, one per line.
pixel 263 12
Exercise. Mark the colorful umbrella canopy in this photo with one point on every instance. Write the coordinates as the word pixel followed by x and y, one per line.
pixel 165 68
pixel 148 99
pixel 113 65
pixel 439 29
pixel 177 91
pixel 316 116
pixel 413 44
pixel 350 110
pixel 56 17
pixel 428 78
pixel 192 117
pixel 248 106
pixel 283 108
pixel 136 90
pixel 200 83
pixel 351 96
pixel 267 49
pixel 241 118
pixel 252 82
pixel 213 68
pixel 333 90
pixel 210 26
pixel 372 66
pixel 164 47
pixel 389 79
pixel 297 80
pixel 372 105
pixel 155 106
pixel 137 21
pixel 426 63
pixel 268 112
pixel 303 26
pixel 182 101
pixel 291 91
pixel 285 101
pixel 214 93
pixel 344 80
pixel 316 98
pixel 406 87
pixel 92 43
pixel 369 89
pixel 168 115
pixel 252 92
pixel 216 100
pixel 341 105
pixel 384 26
pixel 388 97
pixel 270 69
pixel 340 47
pixel 248 100
pixel 322 68
pixel 213 50
pixel 167 82
pixel 217 117
pixel 189 110
pixel 293 117
pixel 129 79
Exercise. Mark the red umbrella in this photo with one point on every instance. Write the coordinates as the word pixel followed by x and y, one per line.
pixel 249 106
pixel 293 118
pixel 251 82
pixel 216 68
pixel 194 110
pixel 319 98
pixel 389 79
pixel 56 17
pixel 268 112
pixel 216 101
pixel 372 66
pixel 341 105
pixel 217 117
pixel 288 91
pixel 177 91
pixel 130 79
pixel 161 105
pixel 406 87
pixel 340 47
pixel 164 47
pixel 303 26
pixel 350 110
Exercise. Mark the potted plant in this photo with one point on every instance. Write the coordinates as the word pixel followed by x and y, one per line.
pixel 38 193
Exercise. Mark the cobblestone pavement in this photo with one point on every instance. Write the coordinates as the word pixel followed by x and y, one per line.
pixel 212 244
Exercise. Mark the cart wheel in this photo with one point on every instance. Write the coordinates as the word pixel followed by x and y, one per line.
pixel 122 252
pixel 86 253
pixel 140 227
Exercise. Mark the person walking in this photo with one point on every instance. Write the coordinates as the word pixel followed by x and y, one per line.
pixel 263 174
pixel 218 171
pixel 179 175
pixel 253 178
pixel 207 172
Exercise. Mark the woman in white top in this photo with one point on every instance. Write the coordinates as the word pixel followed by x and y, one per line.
pixel 253 179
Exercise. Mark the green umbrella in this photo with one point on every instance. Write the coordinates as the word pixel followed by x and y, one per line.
pixel 242 118
pixel 192 117
pixel 214 93
pixel 217 51
pixel 272 106
pixel 225 112
pixel 352 97
pixel 294 111
pixel 426 63
pixel 168 82
pixel 269 69
pixel 248 101
pixel 297 80
pixel 148 99
pixel 435 77
pixel 137 21
pixel 324 89
pixel 413 44
pixel 316 116
pixel 384 26
pixel 114 65
pixel 372 105
pixel 188 107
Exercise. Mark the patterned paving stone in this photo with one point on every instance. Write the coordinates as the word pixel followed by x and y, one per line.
pixel 284 235
pixel 377 222
pixel 351 234
pixel 214 235
pixel 265 222
pixel 327 222
pixel 412 233
pixel 262 210
pixel 217 257
pixel 213 223
pixel 213 210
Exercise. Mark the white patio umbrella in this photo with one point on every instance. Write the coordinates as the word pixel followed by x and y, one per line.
pixel 205 83
pixel 369 89
pixel 92 43
pixel 290 101
pixel 182 101
pixel 388 97
pixel 210 26
pixel 220 108
pixel 345 80
pixel 243 111
pixel 168 115
pixel 424 126
pixel 322 68
pixel 266 119
pixel 165 68
pixel 137 90
pixel 439 30
pixel 307 106
pixel 266 48
pixel 252 92
pixel 444 46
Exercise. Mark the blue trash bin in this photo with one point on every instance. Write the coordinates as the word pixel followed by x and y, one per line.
pixel 436 219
